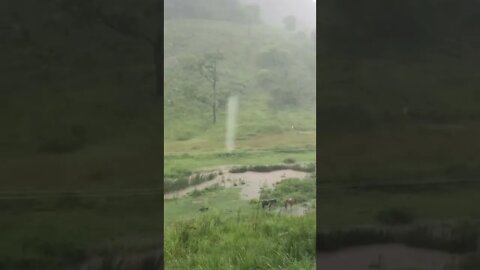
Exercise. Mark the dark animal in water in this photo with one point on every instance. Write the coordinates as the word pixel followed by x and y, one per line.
pixel 268 203
pixel 289 201
pixel 203 209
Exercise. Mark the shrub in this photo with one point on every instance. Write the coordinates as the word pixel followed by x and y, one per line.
pixel 273 58
pixel 200 178
pixel 170 185
pixel 182 181
pixel 253 201
pixel 301 190
pixel 196 193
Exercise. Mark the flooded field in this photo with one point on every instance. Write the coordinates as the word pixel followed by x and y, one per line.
pixel 250 182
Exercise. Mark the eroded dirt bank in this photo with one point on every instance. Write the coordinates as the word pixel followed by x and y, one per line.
pixel 249 182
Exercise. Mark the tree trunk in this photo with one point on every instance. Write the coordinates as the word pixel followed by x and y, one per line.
pixel 158 64
pixel 214 103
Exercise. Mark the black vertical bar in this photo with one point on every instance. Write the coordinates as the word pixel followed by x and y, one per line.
pixel 318 130
pixel 160 82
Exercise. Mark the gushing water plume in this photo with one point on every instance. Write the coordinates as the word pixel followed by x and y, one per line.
pixel 232 111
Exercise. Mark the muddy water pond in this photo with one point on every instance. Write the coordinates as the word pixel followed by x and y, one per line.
pixel 249 182
pixel 387 256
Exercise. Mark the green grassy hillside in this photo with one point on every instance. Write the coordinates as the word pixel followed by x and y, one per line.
pixel 261 113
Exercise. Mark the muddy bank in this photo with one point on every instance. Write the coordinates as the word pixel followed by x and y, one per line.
pixel 295 210
pixel 387 256
pixel 249 182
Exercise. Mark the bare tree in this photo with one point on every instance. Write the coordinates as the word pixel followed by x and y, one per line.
pixel 208 69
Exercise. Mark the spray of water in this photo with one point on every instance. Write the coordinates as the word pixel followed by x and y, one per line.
pixel 232 111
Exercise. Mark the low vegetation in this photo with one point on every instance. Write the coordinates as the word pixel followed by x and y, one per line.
pixel 301 190
pixel 198 193
pixel 243 241
pixel 179 165
pixel 270 168
pixel 179 183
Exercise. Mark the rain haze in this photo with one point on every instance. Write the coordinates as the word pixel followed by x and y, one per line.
pixel 274 11
pixel 239 134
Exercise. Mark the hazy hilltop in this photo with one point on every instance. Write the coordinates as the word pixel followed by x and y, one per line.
pixel 271 68
pixel 274 11
pixel 272 96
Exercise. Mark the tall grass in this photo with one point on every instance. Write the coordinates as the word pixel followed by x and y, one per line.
pixel 241 241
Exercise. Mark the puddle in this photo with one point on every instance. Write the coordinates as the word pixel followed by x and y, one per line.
pixel 249 182
pixel 388 256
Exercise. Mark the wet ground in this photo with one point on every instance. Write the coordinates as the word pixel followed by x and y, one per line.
pixel 249 182
pixel 294 210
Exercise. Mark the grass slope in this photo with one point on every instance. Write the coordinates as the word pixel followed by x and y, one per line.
pixel 188 124
pixel 235 234
pixel 263 241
